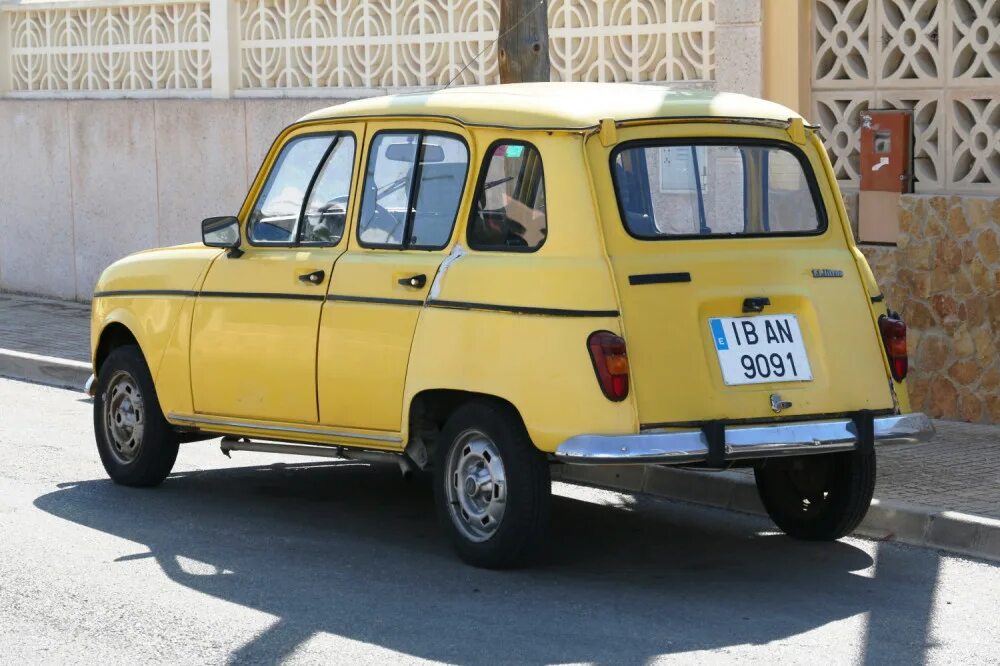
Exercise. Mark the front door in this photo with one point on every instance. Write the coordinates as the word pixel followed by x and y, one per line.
pixel 253 338
pixel 412 191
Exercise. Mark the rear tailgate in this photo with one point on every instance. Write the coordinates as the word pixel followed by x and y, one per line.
pixel 735 303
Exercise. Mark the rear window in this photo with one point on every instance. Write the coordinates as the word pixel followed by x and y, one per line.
pixel 697 189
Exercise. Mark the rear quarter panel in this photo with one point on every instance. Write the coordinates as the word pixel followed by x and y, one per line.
pixel 537 362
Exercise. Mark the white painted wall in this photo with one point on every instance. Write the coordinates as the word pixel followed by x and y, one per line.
pixel 84 183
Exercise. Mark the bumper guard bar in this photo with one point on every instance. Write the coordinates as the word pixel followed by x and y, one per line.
pixel 687 447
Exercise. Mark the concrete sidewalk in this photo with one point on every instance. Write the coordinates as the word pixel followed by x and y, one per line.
pixel 60 329
pixel 44 341
pixel 945 493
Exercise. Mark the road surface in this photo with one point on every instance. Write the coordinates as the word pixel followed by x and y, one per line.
pixel 261 559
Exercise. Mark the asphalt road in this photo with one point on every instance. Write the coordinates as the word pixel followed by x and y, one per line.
pixel 257 559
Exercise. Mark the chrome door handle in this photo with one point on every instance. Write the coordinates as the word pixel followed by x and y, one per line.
pixel 315 277
pixel 415 281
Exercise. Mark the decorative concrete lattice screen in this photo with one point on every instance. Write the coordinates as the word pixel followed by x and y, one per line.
pixel 365 43
pixel 632 40
pixel 940 59
pixel 122 47
pixel 281 46
pixel 406 43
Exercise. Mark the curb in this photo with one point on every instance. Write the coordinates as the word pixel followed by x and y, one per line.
pixel 887 520
pixel 59 372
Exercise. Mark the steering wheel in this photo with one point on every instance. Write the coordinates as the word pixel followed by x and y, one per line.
pixel 335 205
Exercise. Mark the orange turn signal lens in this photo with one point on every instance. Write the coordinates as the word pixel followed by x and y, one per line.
pixel 617 364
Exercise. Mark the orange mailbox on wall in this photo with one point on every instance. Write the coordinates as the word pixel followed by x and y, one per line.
pixel 886 172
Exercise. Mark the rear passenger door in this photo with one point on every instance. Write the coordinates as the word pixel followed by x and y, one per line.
pixel 412 188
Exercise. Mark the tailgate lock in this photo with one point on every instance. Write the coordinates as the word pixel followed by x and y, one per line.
pixel 777 404
pixel 755 303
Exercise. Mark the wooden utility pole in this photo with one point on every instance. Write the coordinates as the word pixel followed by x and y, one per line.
pixel 523 47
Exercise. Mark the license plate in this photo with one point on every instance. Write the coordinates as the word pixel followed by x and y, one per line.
pixel 758 350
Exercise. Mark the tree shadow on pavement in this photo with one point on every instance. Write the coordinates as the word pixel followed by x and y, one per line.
pixel 354 551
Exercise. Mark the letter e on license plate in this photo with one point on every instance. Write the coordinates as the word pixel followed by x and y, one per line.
pixel 762 349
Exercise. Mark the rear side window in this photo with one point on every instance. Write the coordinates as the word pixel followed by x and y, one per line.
pixel 689 190
pixel 509 210
pixel 413 188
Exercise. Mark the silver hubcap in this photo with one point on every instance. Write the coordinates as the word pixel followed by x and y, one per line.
pixel 124 417
pixel 476 486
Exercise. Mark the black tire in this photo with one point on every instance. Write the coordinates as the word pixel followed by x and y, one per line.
pixel 131 456
pixel 516 538
pixel 820 497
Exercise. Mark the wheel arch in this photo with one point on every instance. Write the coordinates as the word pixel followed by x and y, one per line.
pixel 113 335
pixel 430 408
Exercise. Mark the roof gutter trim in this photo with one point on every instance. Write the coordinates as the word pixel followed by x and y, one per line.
pixel 307 120
pixel 736 120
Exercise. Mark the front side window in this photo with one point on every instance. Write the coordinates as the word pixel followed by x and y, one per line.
pixel 276 214
pixel 673 190
pixel 413 187
pixel 279 218
pixel 509 211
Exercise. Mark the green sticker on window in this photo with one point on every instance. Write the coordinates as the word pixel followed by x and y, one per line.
pixel 514 151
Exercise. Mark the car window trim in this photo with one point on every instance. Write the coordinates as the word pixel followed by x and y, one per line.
pixel 798 153
pixel 481 179
pixel 414 190
pixel 335 134
pixel 411 200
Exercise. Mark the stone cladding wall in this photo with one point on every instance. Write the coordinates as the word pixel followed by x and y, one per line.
pixel 944 278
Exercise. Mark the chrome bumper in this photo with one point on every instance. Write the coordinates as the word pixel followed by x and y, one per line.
pixel 685 447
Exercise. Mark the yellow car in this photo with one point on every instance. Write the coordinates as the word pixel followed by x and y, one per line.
pixel 489 281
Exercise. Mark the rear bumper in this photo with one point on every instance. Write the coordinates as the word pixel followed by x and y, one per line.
pixel 686 447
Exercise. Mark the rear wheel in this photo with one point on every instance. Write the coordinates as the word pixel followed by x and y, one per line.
pixel 491 486
pixel 136 444
pixel 820 497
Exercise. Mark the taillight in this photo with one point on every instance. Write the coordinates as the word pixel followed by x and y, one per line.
pixel 893 331
pixel 607 351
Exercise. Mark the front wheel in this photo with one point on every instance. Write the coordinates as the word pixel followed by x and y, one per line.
pixel 136 444
pixel 491 486
pixel 819 497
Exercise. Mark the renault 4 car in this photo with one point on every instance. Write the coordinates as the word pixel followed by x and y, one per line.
pixel 487 282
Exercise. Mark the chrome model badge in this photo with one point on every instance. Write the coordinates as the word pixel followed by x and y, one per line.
pixel 777 404
pixel 827 273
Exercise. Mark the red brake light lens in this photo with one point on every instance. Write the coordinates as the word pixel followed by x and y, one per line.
pixel 607 352
pixel 893 331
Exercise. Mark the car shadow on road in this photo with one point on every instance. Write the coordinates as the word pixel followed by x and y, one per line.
pixel 355 551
